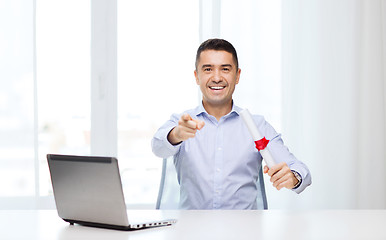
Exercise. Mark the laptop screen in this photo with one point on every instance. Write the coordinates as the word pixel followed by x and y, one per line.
pixel 88 188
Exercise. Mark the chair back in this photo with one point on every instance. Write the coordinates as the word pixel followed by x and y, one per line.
pixel 169 189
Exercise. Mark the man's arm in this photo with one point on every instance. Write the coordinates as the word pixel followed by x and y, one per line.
pixel 282 174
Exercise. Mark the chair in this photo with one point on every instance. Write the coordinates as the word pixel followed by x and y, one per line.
pixel 169 189
pixel 261 199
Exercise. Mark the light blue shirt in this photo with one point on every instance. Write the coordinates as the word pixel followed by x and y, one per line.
pixel 219 167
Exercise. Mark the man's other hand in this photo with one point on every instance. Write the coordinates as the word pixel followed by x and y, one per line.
pixel 281 176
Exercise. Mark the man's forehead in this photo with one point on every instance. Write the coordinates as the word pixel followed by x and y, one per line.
pixel 215 57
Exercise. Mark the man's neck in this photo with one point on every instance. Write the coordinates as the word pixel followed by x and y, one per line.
pixel 218 111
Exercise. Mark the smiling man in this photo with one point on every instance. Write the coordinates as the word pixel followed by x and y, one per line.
pixel 215 158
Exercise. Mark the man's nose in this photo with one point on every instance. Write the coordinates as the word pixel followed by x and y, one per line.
pixel 217 76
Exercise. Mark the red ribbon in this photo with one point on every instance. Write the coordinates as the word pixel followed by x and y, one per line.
pixel 261 144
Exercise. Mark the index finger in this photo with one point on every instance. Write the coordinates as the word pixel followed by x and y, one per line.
pixel 186 117
pixel 200 124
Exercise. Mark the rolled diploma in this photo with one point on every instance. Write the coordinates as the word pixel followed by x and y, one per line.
pixel 267 157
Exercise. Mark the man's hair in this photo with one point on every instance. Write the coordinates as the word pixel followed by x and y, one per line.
pixel 217 45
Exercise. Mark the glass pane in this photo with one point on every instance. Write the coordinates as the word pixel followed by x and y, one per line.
pixel 156 54
pixel 16 99
pixel 254 27
pixel 63 78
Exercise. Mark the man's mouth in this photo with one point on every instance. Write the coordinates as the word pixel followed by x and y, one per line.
pixel 217 87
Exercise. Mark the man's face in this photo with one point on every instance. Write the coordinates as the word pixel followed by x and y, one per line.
pixel 217 76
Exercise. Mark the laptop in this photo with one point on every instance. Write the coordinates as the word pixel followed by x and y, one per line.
pixel 88 191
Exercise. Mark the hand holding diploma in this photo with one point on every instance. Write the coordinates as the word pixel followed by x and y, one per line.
pixel 281 175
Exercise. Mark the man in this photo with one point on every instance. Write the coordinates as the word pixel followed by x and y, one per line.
pixel 216 161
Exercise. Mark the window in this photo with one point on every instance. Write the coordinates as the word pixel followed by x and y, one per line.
pixel 156 54
pixel 45 94
pixel 254 27
pixel 63 81
pixel 17 175
pixel 48 88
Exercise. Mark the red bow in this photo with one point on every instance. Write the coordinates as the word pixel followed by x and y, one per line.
pixel 261 144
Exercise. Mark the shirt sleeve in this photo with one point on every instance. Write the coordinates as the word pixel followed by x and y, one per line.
pixel 281 153
pixel 160 144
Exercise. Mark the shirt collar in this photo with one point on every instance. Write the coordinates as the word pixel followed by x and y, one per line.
pixel 201 110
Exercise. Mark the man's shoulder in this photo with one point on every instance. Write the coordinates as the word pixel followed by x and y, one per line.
pixel 256 117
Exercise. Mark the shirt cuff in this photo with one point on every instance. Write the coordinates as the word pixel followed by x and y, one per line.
pixel 166 142
pixel 305 179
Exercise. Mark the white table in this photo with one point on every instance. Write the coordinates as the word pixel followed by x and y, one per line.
pixel 201 225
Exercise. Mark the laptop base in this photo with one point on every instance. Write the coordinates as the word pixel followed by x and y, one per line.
pixel 133 227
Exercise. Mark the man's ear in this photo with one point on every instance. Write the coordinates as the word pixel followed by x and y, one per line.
pixel 196 76
pixel 238 75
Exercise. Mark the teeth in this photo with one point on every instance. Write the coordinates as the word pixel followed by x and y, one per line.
pixel 216 88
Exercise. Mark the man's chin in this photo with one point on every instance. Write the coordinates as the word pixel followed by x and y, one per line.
pixel 218 102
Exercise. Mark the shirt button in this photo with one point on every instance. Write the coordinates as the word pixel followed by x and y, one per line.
pixel 219 148
pixel 218 169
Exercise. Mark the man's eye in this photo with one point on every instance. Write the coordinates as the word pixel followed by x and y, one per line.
pixel 226 69
pixel 207 69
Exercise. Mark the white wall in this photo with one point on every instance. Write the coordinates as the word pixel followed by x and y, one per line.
pixel 334 100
